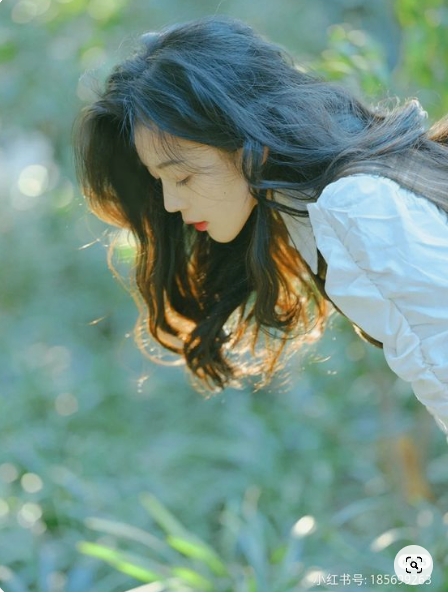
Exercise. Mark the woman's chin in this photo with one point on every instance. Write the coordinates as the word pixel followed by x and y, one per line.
pixel 223 238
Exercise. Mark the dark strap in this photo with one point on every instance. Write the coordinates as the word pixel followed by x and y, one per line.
pixel 413 170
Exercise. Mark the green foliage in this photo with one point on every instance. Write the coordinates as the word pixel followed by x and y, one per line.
pixel 355 58
pixel 259 559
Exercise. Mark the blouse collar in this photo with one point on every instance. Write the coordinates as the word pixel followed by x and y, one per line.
pixel 300 232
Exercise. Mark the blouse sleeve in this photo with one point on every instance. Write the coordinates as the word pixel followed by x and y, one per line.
pixel 387 254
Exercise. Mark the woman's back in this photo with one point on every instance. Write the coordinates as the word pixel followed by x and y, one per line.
pixel 385 254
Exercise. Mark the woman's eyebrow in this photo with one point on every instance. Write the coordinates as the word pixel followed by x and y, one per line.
pixel 170 162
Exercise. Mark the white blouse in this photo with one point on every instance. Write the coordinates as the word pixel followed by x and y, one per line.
pixel 387 254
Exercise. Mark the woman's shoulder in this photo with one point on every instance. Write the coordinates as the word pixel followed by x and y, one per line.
pixel 386 251
pixel 366 192
pixel 356 186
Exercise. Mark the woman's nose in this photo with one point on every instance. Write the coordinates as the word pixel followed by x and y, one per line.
pixel 172 202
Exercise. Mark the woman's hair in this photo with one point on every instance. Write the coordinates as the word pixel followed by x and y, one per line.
pixel 215 81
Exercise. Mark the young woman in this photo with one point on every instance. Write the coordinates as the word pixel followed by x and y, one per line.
pixel 257 192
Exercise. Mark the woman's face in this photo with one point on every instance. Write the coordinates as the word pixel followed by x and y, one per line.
pixel 217 194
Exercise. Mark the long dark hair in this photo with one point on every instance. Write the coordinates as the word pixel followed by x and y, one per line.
pixel 215 81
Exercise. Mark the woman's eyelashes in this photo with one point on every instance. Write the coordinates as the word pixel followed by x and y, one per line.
pixel 184 182
pixel 158 179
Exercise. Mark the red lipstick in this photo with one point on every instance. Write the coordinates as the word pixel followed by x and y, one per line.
pixel 197 225
pixel 201 225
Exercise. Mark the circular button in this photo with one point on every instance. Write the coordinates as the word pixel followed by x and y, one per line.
pixel 413 565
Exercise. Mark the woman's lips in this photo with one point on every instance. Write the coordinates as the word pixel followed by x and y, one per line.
pixel 201 225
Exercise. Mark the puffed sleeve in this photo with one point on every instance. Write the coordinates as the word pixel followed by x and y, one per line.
pixel 387 254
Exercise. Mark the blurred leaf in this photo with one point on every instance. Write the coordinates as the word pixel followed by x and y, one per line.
pixel 198 551
pixel 193 578
pixel 8 51
pixel 133 533
pixel 121 561
pixel 167 521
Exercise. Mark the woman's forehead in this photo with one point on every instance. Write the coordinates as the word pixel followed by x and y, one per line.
pixel 158 147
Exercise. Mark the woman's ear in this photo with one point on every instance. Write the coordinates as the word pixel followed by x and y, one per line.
pixel 239 154
pixel 265 154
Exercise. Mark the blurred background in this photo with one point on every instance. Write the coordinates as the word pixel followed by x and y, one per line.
pixel 108 481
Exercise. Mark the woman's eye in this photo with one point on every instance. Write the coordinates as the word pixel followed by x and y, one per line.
pixel 184 182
